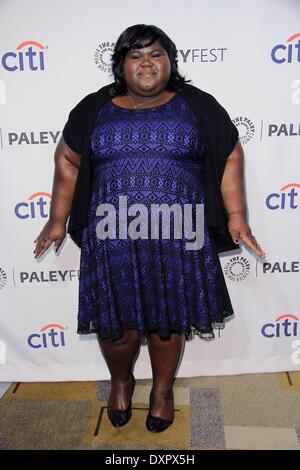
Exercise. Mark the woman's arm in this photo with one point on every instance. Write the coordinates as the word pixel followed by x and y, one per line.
pixel 233 193
pixel 65 175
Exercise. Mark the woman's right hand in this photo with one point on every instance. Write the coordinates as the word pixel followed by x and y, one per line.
pixel 52 232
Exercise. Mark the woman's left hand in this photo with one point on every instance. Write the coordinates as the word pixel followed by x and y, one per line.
pixel 240 230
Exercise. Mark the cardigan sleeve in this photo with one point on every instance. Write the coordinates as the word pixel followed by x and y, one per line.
pixel 222 136
pixel 75 134
pixel 74 131
pixel 226 136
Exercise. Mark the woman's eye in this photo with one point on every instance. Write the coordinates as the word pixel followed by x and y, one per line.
pixel 134 56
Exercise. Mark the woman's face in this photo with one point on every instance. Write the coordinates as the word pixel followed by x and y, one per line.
pixel 147 71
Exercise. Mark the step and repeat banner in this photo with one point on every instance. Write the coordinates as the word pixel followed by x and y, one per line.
pixel 52 54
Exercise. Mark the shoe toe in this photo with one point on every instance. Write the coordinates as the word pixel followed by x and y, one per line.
pixel 156 424
pixel 119 418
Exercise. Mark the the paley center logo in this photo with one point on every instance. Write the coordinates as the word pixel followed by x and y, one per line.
pixel 287 198
pixel 3 278
pixel 245 127
pixel 237 268
pixel 27 56
pixel 102 56
pixel 36 205
pixel 287 52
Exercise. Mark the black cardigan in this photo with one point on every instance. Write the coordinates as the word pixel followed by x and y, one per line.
pixel 217 130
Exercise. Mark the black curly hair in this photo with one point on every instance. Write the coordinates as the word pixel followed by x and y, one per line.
pixel 133 37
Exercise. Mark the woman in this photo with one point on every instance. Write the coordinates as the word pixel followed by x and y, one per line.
pixel 154 138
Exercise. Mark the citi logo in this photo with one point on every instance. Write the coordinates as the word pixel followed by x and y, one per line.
pixel 51 336
pixel 37 205
pixel 286 198
pixel 290 52
pixel 284 325
pixel 29 55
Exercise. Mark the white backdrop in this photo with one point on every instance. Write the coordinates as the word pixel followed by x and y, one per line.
pixel 247 55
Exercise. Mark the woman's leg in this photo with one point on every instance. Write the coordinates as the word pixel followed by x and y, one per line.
pixel 119 356
pixel 165 355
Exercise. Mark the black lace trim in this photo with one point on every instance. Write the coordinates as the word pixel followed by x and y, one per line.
pixel 205 333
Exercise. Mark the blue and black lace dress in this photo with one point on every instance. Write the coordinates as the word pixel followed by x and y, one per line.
pixel 150 156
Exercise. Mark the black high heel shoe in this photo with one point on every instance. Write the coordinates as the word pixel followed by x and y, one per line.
pixel 119 418
pixel 157 424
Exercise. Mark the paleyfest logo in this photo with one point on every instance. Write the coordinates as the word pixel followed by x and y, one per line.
pixel 29 55
pixel 214 54
pixel 287 53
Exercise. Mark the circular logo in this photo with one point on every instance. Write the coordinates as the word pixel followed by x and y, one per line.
pixel 102 56
pixel 237 268
pixel 245 127
pixel 3 278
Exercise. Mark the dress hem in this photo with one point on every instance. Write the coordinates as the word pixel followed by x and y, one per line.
pixel 190 331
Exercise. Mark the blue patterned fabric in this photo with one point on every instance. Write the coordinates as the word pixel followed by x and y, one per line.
pixel 152 156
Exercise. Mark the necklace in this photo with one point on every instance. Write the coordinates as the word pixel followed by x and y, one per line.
pixel 135 106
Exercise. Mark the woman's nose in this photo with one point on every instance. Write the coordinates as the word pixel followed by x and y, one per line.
pixel 146 61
